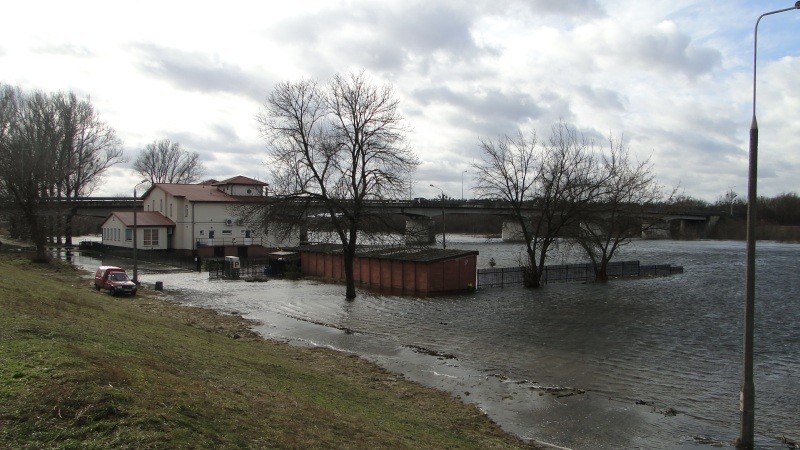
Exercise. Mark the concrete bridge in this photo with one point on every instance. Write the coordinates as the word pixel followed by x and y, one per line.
pixel 419 215
pixel 99 207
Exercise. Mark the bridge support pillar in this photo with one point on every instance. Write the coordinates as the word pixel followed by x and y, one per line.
pixel 419 231
pixel 657 230
pixel 512 231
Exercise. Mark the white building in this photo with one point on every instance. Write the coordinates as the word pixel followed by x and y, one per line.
pixel 153 230
pixel 198 219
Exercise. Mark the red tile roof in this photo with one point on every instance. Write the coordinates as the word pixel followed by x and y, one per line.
pixel 241 181
pixel 143 219
pixel 207 191
pixel 196 192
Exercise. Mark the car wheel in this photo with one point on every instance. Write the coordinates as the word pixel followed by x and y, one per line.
pixel 114 292
pixel 96 287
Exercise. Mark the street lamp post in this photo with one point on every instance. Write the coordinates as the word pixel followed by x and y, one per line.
pixel 462 184
pixel 135 261
pixel 444 228
pixel 747 393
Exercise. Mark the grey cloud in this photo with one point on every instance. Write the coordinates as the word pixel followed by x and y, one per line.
pixel 698 153
pixel 434 26
pixel 512 106
pixel 201 72
pixel 673 50
pixel 572 8
pixel 390 37
pixel 602 98
pixel 224 139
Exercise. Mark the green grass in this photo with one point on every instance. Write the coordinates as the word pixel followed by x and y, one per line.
pixel 82 369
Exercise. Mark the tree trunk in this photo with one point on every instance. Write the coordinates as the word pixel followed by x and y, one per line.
pixel 601 272
pixel 349 275
pixel 533 274
pixel 39 240
pixel 68 219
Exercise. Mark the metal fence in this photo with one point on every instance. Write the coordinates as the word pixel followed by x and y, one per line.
pixel 252 268
pixel 566 273
pixel 161 257
pixel 248 268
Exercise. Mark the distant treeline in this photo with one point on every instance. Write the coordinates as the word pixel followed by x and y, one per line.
pixel 783 209
pixel 777 218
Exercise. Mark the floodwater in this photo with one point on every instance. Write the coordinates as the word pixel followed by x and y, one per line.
pixel 645 363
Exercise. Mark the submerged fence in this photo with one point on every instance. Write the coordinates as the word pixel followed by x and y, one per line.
pixel 566 273
pixel 252 268
pixel 165 258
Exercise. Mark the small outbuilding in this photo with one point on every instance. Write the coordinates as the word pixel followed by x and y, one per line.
pixel 411 271
pixel 153 230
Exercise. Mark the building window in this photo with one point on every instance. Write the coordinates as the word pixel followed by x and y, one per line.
pixel 128 234
pixel 186 211
pixel 226 232
pixel 161 205
pixel 170 209
pixel 150 237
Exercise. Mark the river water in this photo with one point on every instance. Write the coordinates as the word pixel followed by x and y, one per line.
pixel 645 363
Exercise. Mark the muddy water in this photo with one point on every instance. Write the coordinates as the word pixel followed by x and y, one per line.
pixel 651 363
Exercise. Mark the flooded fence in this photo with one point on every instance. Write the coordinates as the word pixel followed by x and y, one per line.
pixel 169 260
pixel 567 273
pixel 250 268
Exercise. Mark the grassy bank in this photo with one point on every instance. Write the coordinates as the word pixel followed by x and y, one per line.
pixel 82 369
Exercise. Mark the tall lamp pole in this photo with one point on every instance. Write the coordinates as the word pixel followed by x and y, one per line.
pixel 444 228
pixel 747 393
pixel 135 261
pixel 462 184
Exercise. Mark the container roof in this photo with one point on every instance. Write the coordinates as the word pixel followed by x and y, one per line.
pixel 419 254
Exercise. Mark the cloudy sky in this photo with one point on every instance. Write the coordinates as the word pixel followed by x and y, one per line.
pixel 674 77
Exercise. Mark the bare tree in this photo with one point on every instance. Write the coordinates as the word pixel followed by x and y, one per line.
pixel 29 144
pixel 334 148
pixel 509 171
pixel 164 161
pixel 628 192
pixel 546 186
pixel 52 146
pixel 88 148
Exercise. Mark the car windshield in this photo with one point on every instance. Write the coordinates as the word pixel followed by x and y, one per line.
pixel 119 276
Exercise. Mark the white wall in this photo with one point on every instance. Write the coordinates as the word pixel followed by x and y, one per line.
pixel 114 234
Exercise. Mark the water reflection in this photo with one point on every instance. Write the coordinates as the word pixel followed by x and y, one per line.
pixel 639 349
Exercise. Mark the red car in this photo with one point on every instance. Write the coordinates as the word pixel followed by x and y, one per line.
pixel 114 279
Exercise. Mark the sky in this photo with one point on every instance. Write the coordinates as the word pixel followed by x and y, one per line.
pixel 674 78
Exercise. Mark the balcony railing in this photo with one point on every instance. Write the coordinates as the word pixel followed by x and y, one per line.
pixel 228 241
